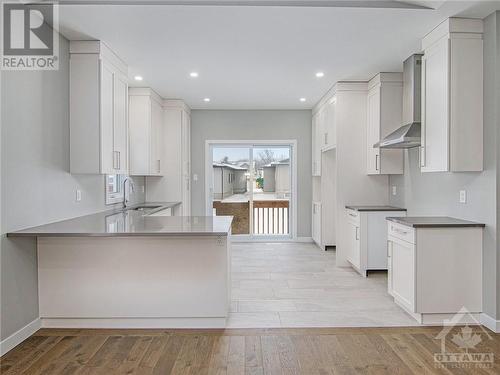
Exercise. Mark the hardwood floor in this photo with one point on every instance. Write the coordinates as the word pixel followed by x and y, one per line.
pixel 311 351
pixel 299 285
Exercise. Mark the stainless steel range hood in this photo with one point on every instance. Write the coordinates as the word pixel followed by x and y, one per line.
pixel 408 135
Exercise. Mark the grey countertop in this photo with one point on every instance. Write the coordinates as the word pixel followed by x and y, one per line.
pixel 132 222
pixel 375 208
pixel 433 222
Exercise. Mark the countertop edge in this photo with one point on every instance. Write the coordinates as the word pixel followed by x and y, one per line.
pixel 391 209
pixel 399 220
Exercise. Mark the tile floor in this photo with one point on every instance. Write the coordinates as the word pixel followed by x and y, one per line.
pixel 298 285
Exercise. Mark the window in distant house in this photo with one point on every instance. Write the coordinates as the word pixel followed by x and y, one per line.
pixel 114 188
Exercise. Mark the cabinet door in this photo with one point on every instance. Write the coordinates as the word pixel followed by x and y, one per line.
pixel 316 223
pixel 373 131
pixel 120 124
pixel 329 124
pixel 318 134
pixel 389 266
pixel 315 146
pixel 355 245
pixel 108 157
pixel 403 272
pixel 435 108
pixel 156 137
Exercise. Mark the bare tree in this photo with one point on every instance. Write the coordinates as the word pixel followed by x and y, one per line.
pixel 266 156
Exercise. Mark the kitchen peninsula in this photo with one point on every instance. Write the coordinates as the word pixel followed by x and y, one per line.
pixel 134 268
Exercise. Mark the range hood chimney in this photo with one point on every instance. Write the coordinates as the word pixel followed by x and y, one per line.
pixel 408 135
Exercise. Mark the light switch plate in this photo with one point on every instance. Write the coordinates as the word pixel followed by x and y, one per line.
pixel 394 190
pixel 78 195
pixel 463 196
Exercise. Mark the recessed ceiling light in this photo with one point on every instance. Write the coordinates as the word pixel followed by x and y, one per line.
pixel 206 100
pixel 193 74
pixel 138 78
pixel 302 99
pixel 320 74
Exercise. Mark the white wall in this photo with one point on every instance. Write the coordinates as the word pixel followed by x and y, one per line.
pixel 438 193
pixel 254 125
pixel 35 184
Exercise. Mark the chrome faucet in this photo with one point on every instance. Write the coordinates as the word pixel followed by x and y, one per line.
pixel 125 192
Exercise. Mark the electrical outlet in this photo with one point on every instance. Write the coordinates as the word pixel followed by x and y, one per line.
pixel 463 196
pixel 78 195
pixel 394 190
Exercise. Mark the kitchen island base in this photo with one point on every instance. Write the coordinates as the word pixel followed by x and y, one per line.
pixel 134 282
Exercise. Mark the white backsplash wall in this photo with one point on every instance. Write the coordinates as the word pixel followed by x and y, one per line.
pixel 438 193
pixel 36 186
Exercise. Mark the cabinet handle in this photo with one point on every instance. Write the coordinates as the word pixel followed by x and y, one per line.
pixel 357 233
pixel 159 169
pixel 376 162
pixel 422 156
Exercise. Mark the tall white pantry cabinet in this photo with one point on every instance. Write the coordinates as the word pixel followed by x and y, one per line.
pixel 176 141
pixel 452 97
pixel 98 110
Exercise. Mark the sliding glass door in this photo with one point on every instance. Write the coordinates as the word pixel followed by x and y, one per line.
pixel 252 183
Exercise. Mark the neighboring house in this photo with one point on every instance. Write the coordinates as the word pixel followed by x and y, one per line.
pixel 277 177
pixel 228 180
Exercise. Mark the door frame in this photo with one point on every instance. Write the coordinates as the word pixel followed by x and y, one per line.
pixel 292 143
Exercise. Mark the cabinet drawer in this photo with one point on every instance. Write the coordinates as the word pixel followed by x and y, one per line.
pixel 352 216
pixel 401 231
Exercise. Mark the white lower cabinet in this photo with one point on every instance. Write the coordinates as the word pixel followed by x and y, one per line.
pixel 367 238
pixel 435 272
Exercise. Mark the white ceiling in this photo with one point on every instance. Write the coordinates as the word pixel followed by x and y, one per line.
pixel 257 57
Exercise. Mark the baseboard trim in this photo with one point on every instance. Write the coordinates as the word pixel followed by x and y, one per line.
pixel 18 337
pixel 490 323
pixel 134 323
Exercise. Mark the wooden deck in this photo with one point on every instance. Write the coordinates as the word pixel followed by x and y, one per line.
pixel 251 351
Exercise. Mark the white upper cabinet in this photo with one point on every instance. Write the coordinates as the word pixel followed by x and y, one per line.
pixel 316 144
pixel 146 129
pixel 384 115
pixel 98 110
pixel 323 132
pixel 452 97
pixel 328 136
